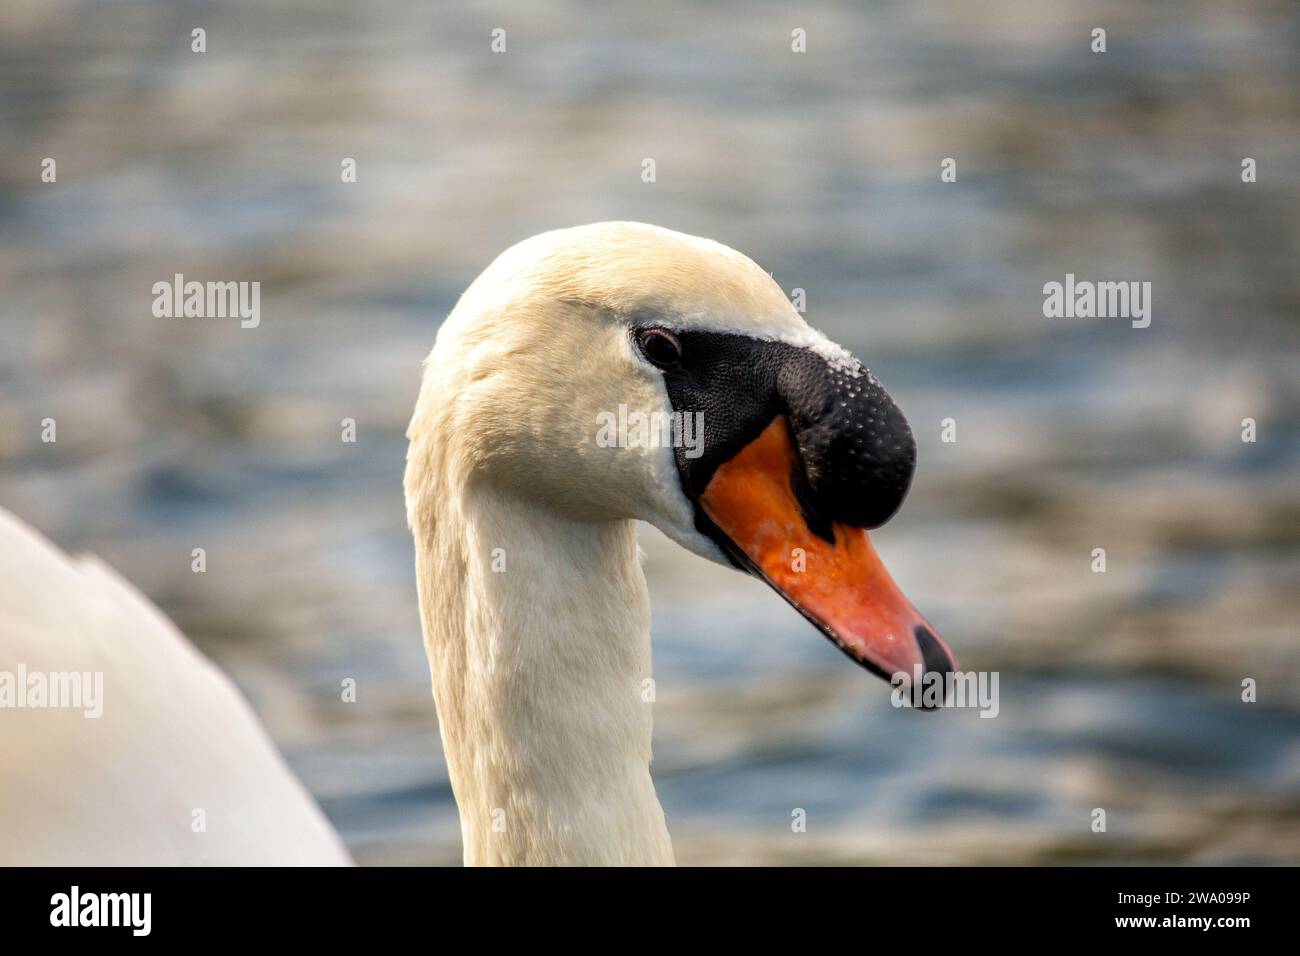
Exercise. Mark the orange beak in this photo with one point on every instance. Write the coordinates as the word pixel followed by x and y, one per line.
pixel 840 586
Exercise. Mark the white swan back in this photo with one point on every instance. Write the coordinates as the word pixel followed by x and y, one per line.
pixel 174 737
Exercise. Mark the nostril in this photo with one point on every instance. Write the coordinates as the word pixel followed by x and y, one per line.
pixel 817 523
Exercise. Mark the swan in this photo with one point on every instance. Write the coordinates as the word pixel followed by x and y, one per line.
pixel 163 764
pixel 533 604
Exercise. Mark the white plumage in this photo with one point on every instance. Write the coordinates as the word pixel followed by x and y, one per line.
pixel 174 736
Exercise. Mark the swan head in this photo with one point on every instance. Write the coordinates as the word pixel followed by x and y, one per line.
pixel 624 371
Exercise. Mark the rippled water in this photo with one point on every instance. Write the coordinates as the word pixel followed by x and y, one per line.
pixel 1119 691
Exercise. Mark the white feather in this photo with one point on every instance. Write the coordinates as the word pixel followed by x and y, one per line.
pixel 174 736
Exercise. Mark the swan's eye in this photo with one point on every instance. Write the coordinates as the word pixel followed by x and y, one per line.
pixel 660 347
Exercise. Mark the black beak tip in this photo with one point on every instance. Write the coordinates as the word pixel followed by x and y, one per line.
pixel 936 659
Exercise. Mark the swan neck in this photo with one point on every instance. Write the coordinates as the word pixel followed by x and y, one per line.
pixel 537 628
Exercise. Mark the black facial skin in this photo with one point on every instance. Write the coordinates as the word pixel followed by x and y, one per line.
pixel 857 450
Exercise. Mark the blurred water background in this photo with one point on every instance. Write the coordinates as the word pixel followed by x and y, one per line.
pixel 1118 690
